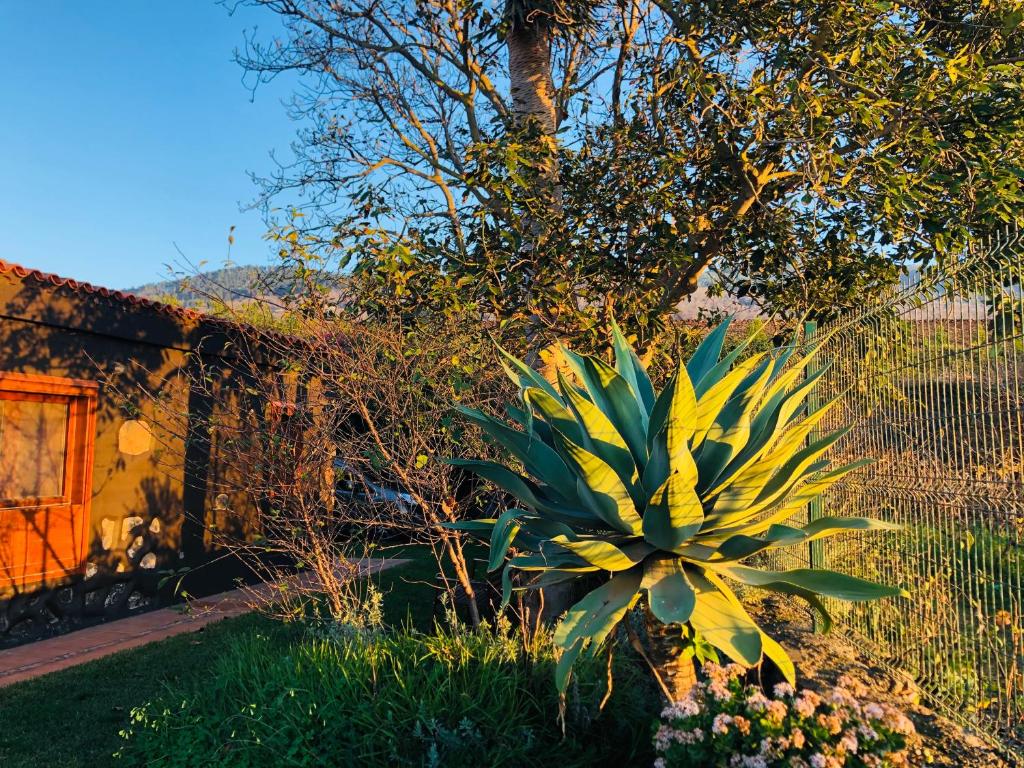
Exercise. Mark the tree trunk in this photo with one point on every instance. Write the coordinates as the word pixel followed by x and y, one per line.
pixel 676 672
pixel 529 70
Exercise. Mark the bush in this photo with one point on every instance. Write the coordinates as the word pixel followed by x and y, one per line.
pixel 725 723
pixel 449 698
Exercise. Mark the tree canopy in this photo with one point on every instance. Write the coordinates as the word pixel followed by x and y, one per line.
pixel 798 153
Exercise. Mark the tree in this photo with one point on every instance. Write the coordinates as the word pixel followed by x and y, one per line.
pixel 544 163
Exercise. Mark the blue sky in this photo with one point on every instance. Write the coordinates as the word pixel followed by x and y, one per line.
pixel 126 131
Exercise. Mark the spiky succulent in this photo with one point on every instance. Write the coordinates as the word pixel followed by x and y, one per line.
pixel 667 493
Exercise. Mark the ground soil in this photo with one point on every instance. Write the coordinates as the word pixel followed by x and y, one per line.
pixel 821 659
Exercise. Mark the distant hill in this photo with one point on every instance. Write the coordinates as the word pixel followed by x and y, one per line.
pixel 228 284
pixel 245 282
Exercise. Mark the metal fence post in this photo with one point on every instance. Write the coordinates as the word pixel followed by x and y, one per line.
pixel 814 550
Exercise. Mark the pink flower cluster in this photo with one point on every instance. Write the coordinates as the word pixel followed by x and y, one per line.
pixel 799 728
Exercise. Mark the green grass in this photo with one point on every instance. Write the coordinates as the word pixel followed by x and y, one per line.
pixel 451 697
pixel 71 719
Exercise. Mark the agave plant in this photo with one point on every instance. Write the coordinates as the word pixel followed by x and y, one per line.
pixel 667 495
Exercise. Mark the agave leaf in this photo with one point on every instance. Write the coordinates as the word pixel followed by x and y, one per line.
pixel 794 503
pixel 604 554
pixel 674 514
pixel 527 492
pixel 681 417
pixel 554 412
pixel 563 669
pixel 593 617
pixel 601 438
pixel 768 424
pixel 566 562
pixel 722 620
pixel 550 578
pixel 774 475
pixel 483 525
pixel 829 526
pixel 523 375
pixel 669 594
pixel 505 530
pixel 539 459
pixel 600 488
pixel 731 429
pixel 740 546
pixel 839 586
pixel 659 413
pixel 631 369
pixel 710 404
pixel 524 418
pixel 778 654
pixel 506 588
pixel 719 370
pixel 545 529
pixel 613 396
pixel 707 352
pixel 795 469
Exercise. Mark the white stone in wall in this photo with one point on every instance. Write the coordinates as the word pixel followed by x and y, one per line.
pixel 107 532
pixel 148 561
pixel 136 546
pixel 127 525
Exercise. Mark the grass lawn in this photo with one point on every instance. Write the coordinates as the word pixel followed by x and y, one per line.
pixel 71 719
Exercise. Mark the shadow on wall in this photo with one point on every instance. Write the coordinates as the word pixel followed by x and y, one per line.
pixel 146 525
pixel 129 567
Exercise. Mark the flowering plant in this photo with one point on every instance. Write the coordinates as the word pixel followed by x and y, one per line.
pixel 727 724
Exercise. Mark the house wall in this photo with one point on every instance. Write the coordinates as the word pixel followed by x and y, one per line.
pixel 152 499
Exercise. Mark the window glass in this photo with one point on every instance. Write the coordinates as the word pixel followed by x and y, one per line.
pixel 32 445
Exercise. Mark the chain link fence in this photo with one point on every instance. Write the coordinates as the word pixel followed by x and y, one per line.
pixel 930 380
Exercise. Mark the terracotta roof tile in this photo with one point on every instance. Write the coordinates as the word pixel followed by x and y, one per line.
pixel 56 281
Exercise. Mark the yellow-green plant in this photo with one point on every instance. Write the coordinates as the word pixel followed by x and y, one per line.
pixel 669 494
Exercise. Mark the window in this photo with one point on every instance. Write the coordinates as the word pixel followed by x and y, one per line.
pixel 47 430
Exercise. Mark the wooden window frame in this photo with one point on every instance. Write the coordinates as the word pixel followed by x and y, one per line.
pixel 81 398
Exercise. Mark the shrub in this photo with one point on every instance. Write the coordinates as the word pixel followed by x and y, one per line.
pixel 451 697
pixel 726 723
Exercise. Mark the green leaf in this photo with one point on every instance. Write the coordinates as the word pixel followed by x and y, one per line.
pixel 674 514
pixel 838 586
pixel 731 429
pixel 604 554
pixel 600 436
pixel 631 369
pixel 502 535
pixel 613 396
pixel 778 654
pixel 708 352
pixel 681 418
pixel 484 525
pixel 554 412
pixel 593 617
pixel 600 488
pixel 524 375
pixel 710 404
pixel 539 459
pixel 722 620
pixel 669 594
pixel 563 669
pixel 525 491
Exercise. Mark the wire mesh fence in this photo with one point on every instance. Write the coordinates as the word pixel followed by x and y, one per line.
pixel 930 383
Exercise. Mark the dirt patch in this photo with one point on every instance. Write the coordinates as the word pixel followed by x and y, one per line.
pixel 821 659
